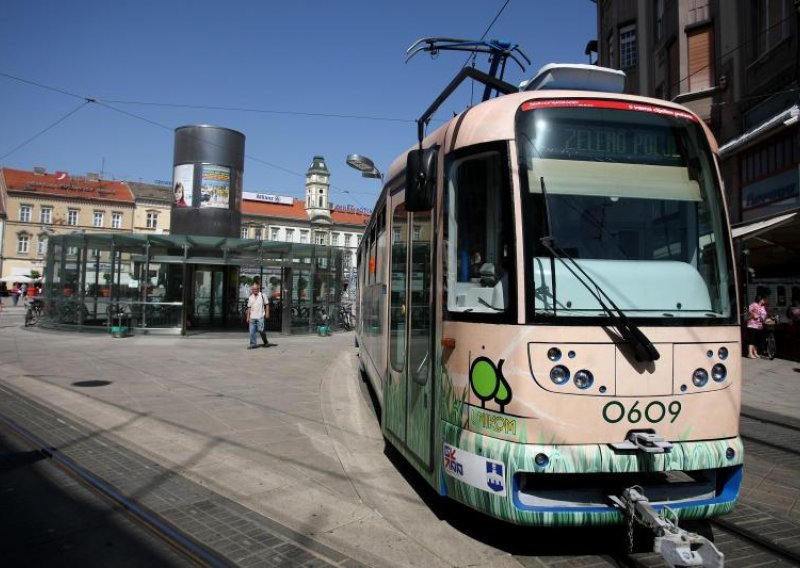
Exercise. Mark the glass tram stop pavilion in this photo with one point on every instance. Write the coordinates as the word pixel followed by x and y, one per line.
pixel 178 283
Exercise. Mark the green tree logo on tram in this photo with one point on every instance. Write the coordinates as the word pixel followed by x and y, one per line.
pixel 488 383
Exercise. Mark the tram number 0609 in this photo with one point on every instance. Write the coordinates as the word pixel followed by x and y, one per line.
pixel 654 412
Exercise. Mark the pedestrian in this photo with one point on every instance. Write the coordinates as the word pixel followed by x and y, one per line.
pixel 15 292
pixel 793 312
pixel 756 316
pixel 257 312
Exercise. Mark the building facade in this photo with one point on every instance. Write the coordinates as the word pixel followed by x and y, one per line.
pixel 153 208
pixel 39 205
pixel 737 65
pixel 36 204
pixel 313 220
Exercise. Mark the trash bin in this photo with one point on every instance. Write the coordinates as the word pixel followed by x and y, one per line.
pixel 120 331
pixel 122 319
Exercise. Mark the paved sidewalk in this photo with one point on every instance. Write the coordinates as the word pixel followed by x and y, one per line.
pixel 284 431
pixel 772 386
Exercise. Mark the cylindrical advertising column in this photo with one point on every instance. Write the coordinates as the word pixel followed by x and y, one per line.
pixel 208 166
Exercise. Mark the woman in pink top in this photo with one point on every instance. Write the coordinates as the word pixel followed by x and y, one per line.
pixel 756 316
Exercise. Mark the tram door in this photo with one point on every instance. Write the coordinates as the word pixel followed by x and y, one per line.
pixel 408 403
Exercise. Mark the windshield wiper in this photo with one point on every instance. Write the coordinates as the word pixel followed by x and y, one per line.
pixel 643 348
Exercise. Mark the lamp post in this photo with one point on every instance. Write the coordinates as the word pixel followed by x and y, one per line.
pixel 368 170
pixel 364 165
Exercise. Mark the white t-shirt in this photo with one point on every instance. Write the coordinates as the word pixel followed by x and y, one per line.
pixel 255 303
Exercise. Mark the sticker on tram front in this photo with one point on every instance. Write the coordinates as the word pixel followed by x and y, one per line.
pixel 482 473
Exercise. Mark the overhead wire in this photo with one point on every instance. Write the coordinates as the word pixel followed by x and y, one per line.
pixel 263 111
pixel 51 126
pixel 107 104
pixel 246 155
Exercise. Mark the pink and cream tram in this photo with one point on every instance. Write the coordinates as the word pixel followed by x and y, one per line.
pixel 548 308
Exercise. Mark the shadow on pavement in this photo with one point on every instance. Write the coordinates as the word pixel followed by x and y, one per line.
pixel 49 519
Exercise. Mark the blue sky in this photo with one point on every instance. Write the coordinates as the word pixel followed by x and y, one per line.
pixel 300 78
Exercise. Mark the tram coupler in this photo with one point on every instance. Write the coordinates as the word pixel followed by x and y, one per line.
pixel 678 547
pixel 644 441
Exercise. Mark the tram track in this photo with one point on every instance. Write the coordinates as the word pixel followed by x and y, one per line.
pixel 152 522
pixel 771 432
pixel 756 540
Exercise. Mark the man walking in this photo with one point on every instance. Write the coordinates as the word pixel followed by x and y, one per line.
pixel 257 312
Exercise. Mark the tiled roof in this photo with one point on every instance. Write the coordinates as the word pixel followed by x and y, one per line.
pixel 151 191
pixel 61 184
pixel 297 211
pixel 294 211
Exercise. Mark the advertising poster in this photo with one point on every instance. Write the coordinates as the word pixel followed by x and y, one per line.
pixel 183 185
pixel 215 186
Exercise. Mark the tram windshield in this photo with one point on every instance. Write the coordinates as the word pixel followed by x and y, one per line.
pixel 630 200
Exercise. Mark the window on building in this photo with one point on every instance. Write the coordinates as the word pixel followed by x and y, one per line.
pixel 700 52
pixel 319 237
pixel 347 240
pixel 72 217
pixel 258 234
pixel 152 219
pixel 335 239
pixel 97 219
pixel 290 235
pixel 244 232
pixel 772 21
pixel 303 236
pixel 628 56
pixel 23 243
pixel 273 233
pixel 46 216
pixel 41 246
pixel 417 232
pixel 25 212
pixel 116 220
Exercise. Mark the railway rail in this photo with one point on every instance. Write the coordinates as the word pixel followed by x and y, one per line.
pixel 155 525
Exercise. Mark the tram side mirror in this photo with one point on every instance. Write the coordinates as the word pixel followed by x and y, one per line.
pixel 421 179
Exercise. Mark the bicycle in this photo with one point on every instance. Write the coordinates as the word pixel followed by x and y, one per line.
pixel 34 312
pixel 770 346
pixel 346 317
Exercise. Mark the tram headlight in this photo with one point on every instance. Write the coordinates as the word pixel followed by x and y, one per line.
pixel 723 353
pixel 583 379
pixel 554 354
pixel 559 374
pixel 719 372
pixel 700 377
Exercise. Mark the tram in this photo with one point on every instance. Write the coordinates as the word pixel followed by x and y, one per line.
pixel 547 305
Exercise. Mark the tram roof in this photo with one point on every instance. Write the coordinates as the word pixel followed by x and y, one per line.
pixel 493 120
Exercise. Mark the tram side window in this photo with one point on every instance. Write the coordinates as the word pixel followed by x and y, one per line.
pixel 478 251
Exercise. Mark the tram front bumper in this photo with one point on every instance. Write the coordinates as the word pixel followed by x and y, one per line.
pixel 552 485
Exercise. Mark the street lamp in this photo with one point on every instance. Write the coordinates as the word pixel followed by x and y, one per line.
pixel 364 165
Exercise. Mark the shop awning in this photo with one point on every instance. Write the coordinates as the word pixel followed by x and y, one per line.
pixel 781 120
pixel 752 229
